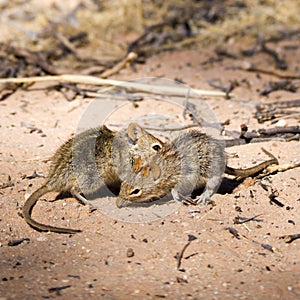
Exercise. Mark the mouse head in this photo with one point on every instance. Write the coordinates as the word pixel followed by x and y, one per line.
pixel 141 187
pixel 131 149
pixel 147 183
pixel 142 139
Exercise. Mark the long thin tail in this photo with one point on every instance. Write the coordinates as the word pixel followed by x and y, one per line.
pixel 28 207
pixel 243 173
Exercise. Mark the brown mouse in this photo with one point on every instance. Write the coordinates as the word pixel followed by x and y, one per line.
pixel 192 161
pixel 90 160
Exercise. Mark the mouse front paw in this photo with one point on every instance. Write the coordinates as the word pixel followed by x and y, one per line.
pixel 203 199
pixel 186 200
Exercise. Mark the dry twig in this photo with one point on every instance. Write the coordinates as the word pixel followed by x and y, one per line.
pixel 247 66
pixel 291 237
pixel 92 80
pixel 240 220
pixel 180 255
pixel 121 65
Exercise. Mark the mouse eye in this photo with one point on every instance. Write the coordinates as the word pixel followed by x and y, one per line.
pixel 136 192
pixel 156 147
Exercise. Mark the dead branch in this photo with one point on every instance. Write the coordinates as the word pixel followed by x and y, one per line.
pixel 285 85
pixel 271 131
pixel 234 232
pixel 92 80
pixel 280 104
pixel 8 183
pixel 154 34
pixel 121 65
pixel 271 111
pixel 68 45
pixel 241 220
pixel 226 89
pixel 239 141
pixel 37 59
pixel 291 237
pixel 179 255
pixel 247 66
pixel 263 135
pixel 280 63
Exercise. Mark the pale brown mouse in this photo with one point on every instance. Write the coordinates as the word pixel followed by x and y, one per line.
pixel 90 160
pixel 190 162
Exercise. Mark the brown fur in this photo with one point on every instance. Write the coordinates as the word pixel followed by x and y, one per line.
pixel 191 162
pixel 91 160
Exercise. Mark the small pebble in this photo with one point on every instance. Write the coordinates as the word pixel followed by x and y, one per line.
pixel 281 123
pixel 130 252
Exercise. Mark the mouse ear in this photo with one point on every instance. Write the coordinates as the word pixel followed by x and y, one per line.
pixel 155 171
pixel 135 131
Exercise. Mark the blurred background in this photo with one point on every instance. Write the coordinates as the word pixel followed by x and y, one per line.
pixel 77 35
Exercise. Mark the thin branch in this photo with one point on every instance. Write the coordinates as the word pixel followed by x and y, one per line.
pixel 246 66
pixel 119 66
pixel 271 131
pixel 92 80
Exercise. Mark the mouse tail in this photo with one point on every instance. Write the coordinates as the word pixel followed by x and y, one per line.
pixel 243 173
pixel 249 172
pixel 28 207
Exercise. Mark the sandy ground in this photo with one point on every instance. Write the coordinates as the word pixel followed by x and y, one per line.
pixel 97 262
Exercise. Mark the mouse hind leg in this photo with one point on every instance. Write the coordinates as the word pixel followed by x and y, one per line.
pixel 76 193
